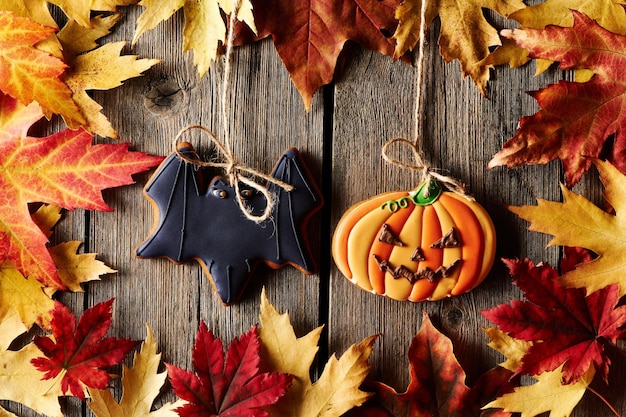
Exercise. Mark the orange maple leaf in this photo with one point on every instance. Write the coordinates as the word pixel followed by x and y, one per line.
pixel 29 74
pixel 63 169
pixel 575 119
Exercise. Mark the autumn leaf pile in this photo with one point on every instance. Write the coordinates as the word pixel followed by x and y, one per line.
pixel 561 334
pixel 46 73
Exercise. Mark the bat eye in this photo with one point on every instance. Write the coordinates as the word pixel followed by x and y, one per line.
pixel 220 193
pixel 246 193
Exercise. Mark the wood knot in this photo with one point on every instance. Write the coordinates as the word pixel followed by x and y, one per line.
pixel 165 98
pixel 454 316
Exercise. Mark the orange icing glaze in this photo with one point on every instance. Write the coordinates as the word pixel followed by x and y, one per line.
pixel 488 239
pixel 400 225
pixel 383 250
pixel 472 239
pixel 450 255
pixel 347 222
pixel 431 232
pixel 356 241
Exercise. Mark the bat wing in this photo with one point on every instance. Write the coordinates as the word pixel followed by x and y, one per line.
pixel 196 224
pixel 168 190
pixel 292 212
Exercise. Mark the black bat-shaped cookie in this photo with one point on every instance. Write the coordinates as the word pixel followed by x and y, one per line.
pixel 193 221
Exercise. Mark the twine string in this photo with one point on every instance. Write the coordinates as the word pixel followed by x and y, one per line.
pixel 236 172
pixel 426 172
pixel 226 78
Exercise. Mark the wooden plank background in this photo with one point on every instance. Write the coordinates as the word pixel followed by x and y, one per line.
pixel 341 136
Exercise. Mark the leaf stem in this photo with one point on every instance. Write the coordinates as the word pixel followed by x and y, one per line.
pixel 55 380
pixel 605 401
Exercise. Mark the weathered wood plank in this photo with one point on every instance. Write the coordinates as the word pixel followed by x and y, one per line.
pixel 266 116
pixel 374 102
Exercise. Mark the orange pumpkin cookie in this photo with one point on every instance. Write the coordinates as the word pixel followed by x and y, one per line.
pixel 421 245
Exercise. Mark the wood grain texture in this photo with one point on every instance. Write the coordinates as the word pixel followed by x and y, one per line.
pixel 372 101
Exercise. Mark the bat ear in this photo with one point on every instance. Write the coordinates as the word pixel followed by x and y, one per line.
pixel 289 166
pixel 187 150
pixel 203 175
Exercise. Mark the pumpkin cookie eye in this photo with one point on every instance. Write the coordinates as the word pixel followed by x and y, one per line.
pixel 246 193
pixel 449 240
pixel 388 236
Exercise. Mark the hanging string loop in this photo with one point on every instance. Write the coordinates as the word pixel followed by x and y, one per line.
pixel 426 172
pixel 236 172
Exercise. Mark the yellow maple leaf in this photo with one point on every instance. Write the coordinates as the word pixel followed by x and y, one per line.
pixel 88 68
pixel 578 222
pixel 11 326
pixel 141 383
pixel 204 25
pixel 36 10
pixel 76 268
pixel 337 389
pixel 19 380
pixel 609 14
pixel 77 39
pixel 78 11
pixel 513 349
pixel 547 394
pixel 46 217
pixel 73 268
pixel 465 33
pixel 25 295
pixel 96 69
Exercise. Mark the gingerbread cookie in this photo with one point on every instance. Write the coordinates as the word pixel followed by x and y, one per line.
pixel 422 245
pixel 205 223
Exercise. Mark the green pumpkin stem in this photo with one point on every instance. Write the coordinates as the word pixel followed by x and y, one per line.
pixel 427 193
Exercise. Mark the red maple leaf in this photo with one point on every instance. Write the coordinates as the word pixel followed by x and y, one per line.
pixel 437 387
pixel 566 326
pixel 574 256
pixel 310 35
pixel 226 387
pixel 575 119
pixel 63 169
pixel 80 351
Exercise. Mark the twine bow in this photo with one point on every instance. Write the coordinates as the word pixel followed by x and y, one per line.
pixel 426 172
pixel 236 173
